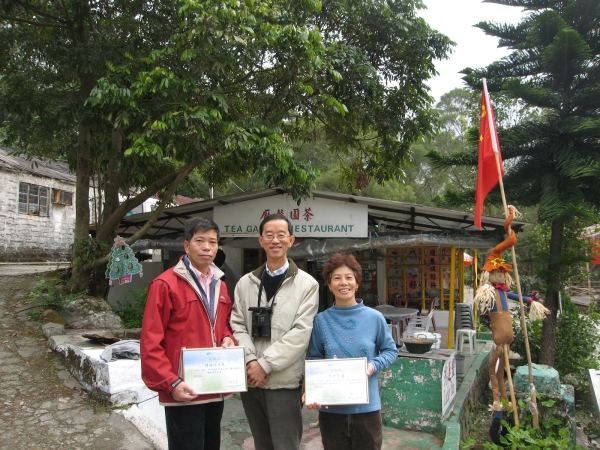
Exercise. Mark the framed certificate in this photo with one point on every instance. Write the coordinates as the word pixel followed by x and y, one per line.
pixel 214 370
pixel 341 381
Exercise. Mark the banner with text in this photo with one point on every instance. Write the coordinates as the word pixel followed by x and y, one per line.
pixel 314 217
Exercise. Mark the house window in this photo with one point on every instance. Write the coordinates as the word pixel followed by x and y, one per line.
pixel 33 199
pixel 62 197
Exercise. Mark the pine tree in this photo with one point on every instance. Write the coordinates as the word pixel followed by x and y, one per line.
pixel 553 160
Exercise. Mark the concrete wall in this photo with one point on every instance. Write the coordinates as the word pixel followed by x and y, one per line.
pixel 29 238
pixel 118 292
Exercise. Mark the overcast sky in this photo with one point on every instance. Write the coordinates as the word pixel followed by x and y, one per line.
pixel 455 19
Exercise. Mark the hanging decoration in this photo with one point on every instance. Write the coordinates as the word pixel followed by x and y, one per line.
pixel 122 263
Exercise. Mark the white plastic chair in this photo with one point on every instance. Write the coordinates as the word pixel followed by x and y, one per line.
pixel 464 326
pixel 418 324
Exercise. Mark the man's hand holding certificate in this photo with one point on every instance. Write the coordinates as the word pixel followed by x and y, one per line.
pixel 337 381
pixel 214 370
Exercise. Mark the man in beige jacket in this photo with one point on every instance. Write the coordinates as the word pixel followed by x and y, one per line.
pixel 284 301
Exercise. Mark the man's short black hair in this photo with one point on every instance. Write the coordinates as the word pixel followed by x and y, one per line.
pixel 275 217
pixel 195 224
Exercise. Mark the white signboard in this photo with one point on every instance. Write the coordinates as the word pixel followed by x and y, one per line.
pixel 448 383
pixel 314 217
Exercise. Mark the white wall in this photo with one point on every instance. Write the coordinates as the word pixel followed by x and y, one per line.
pixel 29 238
pixel 118 292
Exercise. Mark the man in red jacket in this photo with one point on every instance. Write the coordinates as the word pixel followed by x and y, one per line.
pixel 188 306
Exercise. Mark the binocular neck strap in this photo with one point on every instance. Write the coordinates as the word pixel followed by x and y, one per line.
pixel 262 282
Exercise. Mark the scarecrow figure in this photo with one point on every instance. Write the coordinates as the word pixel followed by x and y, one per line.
pixel 492 297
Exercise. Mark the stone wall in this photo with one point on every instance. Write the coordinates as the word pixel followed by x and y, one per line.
pixel 29 238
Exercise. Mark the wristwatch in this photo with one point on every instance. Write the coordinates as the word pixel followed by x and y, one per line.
pixel 175 383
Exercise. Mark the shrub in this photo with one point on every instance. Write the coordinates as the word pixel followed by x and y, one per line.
pixel 131 309
pixel 552 434
pixel 576 344
pixel 45 295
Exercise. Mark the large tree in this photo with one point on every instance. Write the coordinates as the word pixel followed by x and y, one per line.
pixel 140 93
pixel 552 160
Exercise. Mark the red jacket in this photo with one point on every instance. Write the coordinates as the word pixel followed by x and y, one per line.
pixel 175 317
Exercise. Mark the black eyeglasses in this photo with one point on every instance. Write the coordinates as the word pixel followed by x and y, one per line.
pixel 270 236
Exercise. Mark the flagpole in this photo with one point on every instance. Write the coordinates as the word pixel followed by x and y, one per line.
pixel 494 137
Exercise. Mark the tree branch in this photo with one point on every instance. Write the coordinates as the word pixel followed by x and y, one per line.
pixel 29 22
pixel 182 173
pixel 114 219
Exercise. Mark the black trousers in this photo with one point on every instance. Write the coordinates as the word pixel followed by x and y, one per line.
pixel 351 431
pixel 194 427
pixel 275 417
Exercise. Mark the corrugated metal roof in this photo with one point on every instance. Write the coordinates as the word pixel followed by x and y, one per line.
pixel 57 170
pixel 406 218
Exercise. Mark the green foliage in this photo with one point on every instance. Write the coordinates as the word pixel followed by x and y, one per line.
pixel 534 246
pixel 551 158
pixel 552 433
pixel 131 309
pixel 576 341
pixel 45 295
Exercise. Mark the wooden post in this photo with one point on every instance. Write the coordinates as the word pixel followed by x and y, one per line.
pixel 532 390
pixel 451 298
pixel 505 350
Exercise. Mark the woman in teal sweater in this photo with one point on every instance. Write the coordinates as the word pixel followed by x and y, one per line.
pixel 349 329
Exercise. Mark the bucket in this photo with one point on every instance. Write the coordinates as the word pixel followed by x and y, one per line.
pixel 460 363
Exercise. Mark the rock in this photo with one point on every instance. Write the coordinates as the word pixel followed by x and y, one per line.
pixel 51 316
pixel 53 329
pixel 92 312
pixel 545 379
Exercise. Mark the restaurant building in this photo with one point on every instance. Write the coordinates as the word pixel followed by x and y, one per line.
pixel 406 250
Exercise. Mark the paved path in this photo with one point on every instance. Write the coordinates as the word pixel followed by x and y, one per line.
pixel 42 406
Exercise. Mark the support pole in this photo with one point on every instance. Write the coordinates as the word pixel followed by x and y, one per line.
pixel 451 301
pixel 505 350
pixel 532 390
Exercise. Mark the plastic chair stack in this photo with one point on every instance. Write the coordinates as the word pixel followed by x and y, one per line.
pixel 464 324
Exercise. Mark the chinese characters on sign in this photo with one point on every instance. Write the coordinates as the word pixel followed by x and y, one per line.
pixel 293 215
pixel 315 217
pixel 420 272
pixel 448 383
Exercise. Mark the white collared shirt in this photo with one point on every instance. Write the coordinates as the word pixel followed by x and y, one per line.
pixel 279 271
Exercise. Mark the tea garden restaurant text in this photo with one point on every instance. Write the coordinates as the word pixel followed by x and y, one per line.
pixel 405 249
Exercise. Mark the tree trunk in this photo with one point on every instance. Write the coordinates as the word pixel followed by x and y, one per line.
pixel 113 181
pixel 80 275
pixel 553 287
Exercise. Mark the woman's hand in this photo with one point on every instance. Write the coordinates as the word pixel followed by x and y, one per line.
pixel 370 369
pixel 312 405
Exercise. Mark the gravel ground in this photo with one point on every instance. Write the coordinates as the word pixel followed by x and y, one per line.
pixel 43 407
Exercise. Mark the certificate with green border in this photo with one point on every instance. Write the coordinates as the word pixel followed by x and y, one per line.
pixel 214 370
pixel 342 381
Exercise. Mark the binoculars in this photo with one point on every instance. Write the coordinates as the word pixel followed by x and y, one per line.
pixel 261 321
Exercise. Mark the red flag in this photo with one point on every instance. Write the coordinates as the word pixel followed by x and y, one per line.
pixel 596 252
pixel 487 173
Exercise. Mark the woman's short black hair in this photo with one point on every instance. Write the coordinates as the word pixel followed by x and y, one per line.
pixel 275 217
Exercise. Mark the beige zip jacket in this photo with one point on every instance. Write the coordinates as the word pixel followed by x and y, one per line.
pixel 296 303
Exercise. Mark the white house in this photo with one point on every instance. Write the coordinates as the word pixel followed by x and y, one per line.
pixel 37 209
